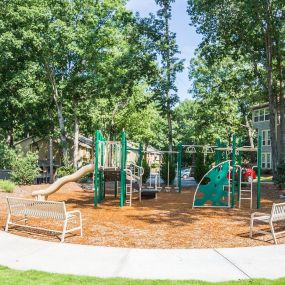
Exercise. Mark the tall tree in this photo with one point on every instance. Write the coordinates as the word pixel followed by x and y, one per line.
pixel 164 42
pixel 251 29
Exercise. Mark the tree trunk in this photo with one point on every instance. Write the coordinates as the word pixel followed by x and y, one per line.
pixel 58 104
pixel 75 142
pixel 271 99
pixel 281 105
pixel 168 78
pixel 63 138
pixel 282 124
pixel 10 138
pixel 250 132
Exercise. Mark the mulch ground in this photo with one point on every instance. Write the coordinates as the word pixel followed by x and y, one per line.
pixel 168 222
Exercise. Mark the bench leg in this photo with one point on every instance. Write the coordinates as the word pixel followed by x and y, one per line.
pixel 7 223
pixel 273 232
pixel 63 230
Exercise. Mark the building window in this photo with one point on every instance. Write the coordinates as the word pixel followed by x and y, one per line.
pixel 256 116
pixel 266 114
pixel 261 115
pixel 266 160
pixel 266 139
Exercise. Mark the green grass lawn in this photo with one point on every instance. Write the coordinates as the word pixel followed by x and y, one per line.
pixel 31 277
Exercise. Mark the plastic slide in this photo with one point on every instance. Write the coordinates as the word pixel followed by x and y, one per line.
pixel 43 194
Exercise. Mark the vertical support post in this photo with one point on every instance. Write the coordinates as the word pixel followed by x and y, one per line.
pixel 239 170
pixel 140 155
pixel 101 174
pixel 258 171
pixel 96 167
pixel 123 174
pixel 233 170
pixel 180 153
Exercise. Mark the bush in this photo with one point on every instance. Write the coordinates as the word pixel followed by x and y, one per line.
pixel 146 172
pixel 88 178
pixel 200 167
pixel 66 169
pixel 7 186
pixel 7 156
pixel 25 168
pixel 164 169
pixel 279 179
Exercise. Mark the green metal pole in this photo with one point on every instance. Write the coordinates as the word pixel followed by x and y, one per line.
pixel 258 171
pixel 180 153
pixel 123 174
pixel 101 175
pixel 233 170
pixel 96 161
pixel 239 170
pixel 140 154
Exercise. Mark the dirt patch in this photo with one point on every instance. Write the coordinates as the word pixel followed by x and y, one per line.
pixel 168 222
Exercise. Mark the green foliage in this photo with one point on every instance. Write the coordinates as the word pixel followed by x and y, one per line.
pixel 7 156
pixel 186 125
pixel 25 168
pixel 168 167
pixel 66 169
pixel 279 179
pixel 201 168
pixel 7 186
pixel 146 169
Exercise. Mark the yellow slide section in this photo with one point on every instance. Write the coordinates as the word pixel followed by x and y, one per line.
pixel 43 194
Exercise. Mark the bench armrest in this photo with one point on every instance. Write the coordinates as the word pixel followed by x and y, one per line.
pixel 74 212
pixel 259 214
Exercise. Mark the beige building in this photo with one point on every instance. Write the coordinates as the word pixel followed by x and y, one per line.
pixel 42 147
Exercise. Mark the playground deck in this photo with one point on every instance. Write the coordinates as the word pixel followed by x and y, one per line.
pixel 168 222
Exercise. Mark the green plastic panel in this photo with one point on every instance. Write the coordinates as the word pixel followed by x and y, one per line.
pixel 213 192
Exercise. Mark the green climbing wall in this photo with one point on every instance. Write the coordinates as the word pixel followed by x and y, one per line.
pixel 213 193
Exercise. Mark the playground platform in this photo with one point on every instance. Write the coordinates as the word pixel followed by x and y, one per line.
pixel 203 264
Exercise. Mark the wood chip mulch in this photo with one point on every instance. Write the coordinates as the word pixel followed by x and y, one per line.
pixel 168 222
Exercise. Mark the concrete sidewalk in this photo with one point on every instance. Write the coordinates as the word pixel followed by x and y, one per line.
pixel 203 264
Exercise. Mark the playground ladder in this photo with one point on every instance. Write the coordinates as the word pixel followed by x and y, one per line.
pixel 245 191
pixel 129 187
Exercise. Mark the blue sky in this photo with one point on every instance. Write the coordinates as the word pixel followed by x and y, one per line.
pixel 187 38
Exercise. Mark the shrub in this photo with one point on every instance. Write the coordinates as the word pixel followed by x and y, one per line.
pixel 164 169
pixel 88 178
pixel 200 167
pixel 146 172
pixel 66 169
pixel 7 186
pixel 7 156
pixel 25 168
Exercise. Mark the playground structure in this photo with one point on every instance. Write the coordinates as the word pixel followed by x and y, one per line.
pixel 113 164
pixel 218 186
pixel 119 162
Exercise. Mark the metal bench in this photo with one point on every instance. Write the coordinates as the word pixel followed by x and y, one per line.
pixel 26 208
pixel 277 215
